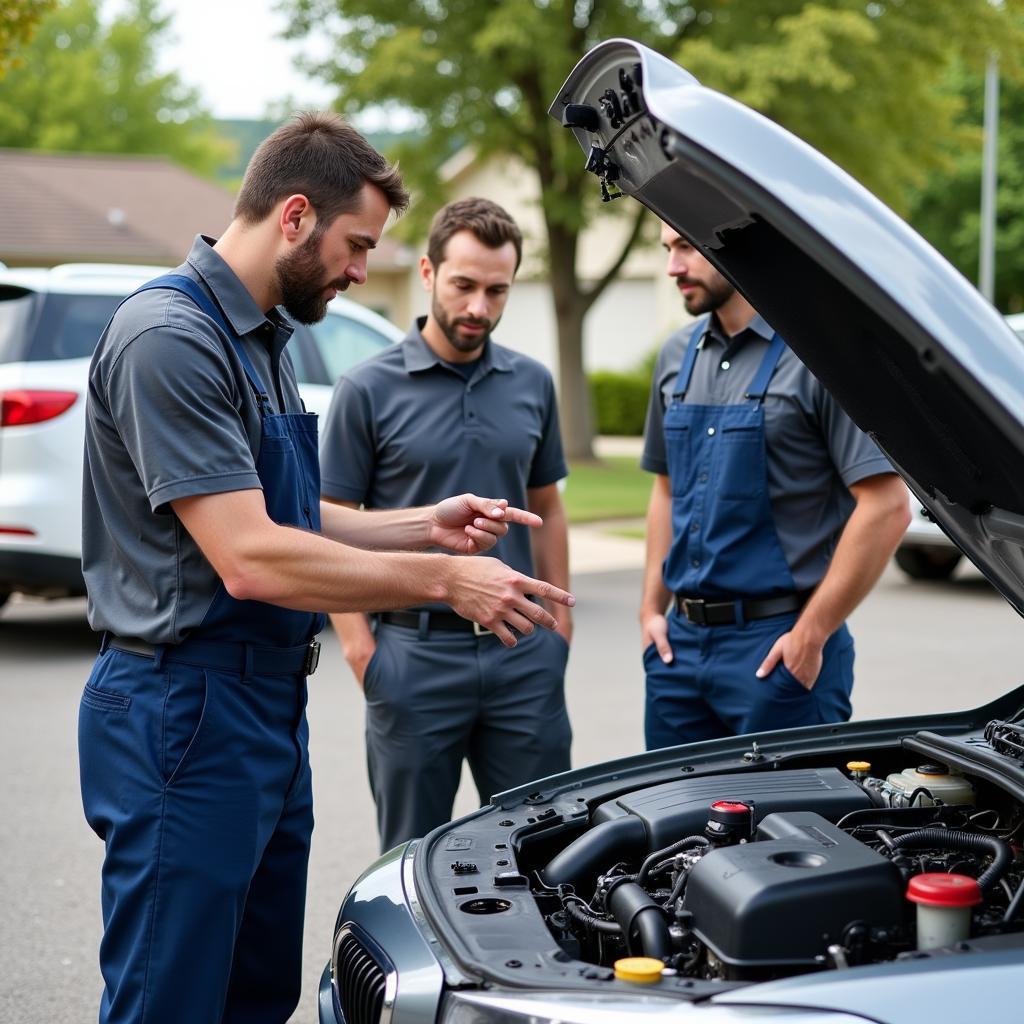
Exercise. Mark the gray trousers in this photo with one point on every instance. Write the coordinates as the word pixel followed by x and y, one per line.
pixel 432 701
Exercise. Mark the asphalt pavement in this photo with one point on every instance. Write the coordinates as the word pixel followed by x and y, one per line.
pixel 920 647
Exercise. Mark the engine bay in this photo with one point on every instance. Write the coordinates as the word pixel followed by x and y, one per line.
pixel 752 878
pixel 738 876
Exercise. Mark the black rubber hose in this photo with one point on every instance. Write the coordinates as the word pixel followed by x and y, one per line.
pixel 586 919
pixel 951 839
pixel 642 921
pixel 580 862
pixel 668 851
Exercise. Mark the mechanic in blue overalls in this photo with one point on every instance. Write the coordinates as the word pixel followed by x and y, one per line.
pixel 771 517
pixel 207 565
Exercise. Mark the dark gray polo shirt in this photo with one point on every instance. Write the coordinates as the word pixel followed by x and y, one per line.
pixel 815 451
pixel 170 414
pixel 405 429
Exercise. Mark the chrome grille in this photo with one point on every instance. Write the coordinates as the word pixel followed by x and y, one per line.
pixel 361 982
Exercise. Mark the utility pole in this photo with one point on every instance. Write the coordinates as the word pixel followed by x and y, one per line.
pixel 990 160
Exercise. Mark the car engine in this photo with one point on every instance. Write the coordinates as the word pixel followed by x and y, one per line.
pixel 763 875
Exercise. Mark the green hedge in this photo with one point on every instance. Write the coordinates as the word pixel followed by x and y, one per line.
pixel 620 401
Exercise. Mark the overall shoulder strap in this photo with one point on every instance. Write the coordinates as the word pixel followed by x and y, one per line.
pixel 700 328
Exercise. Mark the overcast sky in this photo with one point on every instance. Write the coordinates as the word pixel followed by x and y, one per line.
pixel 232 52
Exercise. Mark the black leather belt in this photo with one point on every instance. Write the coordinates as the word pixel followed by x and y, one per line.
pixel 448 621
pixel 702 612
pixel 243 659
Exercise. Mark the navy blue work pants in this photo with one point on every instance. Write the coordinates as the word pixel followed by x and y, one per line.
pixel 198 782
pixel 710 689
pixel 434 700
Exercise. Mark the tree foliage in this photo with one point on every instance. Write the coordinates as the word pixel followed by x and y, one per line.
pixel 859 80
pixel 947 209
pixel 86 86
pixel 18 20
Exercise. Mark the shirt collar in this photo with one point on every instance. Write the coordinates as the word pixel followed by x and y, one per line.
pixel 232 296
pixel 758 326
pixel 420 356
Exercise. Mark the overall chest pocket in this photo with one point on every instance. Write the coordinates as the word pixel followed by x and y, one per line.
pixel 679 457
pixel 741 462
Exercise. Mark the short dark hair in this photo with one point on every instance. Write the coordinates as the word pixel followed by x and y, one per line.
pixel 321 156
pixel 489 222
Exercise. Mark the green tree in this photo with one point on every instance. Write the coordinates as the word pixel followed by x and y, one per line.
pixel 946 211
pixel 18 20
pixel 86 86
pixel 857 79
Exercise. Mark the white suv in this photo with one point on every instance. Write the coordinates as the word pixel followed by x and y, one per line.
pixel 50 321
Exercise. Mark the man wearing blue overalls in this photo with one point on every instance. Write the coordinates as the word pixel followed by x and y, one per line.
pixel 207 565
pixel 770 518
pixel 467 413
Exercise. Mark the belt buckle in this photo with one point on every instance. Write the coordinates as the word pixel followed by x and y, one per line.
pixel 693 609
pixel 312 658
pixel 479 630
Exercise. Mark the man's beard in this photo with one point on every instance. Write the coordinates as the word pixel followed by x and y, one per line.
pixel 449 328
pixel 708 297
pixel 296 272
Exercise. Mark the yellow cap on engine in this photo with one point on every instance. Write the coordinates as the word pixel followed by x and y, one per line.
pixel 643 970
pixel 858 766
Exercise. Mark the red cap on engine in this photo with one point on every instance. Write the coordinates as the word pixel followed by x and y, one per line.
pixel 729 821
pixel 730 807
pixel 935 889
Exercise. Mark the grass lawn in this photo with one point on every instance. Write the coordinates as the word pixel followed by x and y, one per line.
pixel 614 488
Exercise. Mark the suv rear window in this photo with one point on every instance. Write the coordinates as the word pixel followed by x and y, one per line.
pixel 17 308
pixel 70 326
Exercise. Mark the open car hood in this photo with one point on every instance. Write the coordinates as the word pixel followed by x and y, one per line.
pixel 909 348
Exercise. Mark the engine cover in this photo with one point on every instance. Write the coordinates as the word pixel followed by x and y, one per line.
pixel 787 895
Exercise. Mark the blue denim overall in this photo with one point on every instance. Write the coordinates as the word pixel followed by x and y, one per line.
pixel 195 773
pixel 725 547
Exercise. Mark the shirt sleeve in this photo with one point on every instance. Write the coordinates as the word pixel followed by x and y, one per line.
pixel 172 397
pixel 348 447
pixel 853 453
pixel 549 463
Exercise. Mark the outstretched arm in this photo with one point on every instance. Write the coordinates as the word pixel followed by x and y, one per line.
pixel 260 560
pixel 465 524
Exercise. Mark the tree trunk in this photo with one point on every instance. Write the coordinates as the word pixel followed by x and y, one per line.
pixel 570 308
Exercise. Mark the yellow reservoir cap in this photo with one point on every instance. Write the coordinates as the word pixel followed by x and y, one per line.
pixel 858 766
pixel 643 970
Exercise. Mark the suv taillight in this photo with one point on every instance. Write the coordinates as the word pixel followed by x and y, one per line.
pixel 19 408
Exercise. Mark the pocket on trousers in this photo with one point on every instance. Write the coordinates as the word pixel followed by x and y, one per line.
pixel 185 715
pixel 788 680
pixel 105 700
pixel 370 672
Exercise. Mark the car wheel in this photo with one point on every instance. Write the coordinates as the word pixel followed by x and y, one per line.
pixel 927 563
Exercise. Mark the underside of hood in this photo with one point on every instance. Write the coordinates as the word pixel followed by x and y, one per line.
pixel 909 348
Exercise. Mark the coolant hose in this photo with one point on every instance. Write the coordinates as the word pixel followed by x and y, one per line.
pixel 641 919
pixel 583 917
pixel 951 839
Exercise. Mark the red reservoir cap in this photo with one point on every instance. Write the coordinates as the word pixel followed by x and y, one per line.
pixel 935 889
pixel 730 807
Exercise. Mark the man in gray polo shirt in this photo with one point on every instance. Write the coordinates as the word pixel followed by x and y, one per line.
pixel 208 559
pixel 449 408
pixel 771 516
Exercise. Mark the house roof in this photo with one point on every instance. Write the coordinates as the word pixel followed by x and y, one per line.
pixel 69 207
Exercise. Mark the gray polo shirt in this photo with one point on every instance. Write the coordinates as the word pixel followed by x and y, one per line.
pixel 404 428
pixel 815 451
pixel 170 414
